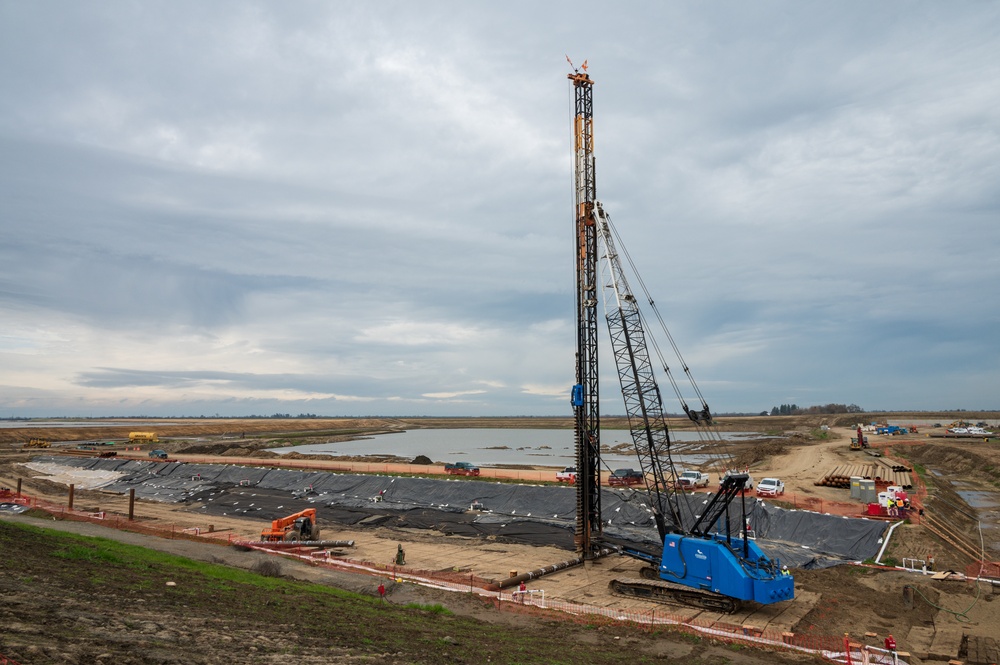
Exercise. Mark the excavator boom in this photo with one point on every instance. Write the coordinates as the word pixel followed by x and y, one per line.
pixel 299 526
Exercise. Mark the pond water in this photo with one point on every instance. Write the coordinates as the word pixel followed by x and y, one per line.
pixel 59 424
pixel 482 446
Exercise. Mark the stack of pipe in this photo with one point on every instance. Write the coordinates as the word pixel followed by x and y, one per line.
pixel 883 474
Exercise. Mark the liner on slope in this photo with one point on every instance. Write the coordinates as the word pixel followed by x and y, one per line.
pixel 799 538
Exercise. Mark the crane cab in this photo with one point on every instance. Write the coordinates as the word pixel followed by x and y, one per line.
pixel 711 564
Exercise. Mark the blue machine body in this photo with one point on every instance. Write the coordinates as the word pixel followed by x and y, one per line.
pixel 711 564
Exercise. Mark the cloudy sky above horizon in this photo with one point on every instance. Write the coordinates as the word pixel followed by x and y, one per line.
pixel 347 209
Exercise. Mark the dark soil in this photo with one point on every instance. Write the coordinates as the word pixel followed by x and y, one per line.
pixel 76 600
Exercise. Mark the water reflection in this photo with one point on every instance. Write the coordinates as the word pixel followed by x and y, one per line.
pixel 546 447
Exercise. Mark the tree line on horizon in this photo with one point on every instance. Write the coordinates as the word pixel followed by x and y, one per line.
pixel 796 410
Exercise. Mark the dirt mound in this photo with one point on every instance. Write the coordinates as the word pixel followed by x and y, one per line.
pixel 245 452
pixel 979 460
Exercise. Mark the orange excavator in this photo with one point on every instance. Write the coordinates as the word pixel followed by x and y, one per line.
pixel 300 526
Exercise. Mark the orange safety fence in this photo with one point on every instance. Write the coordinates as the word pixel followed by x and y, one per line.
pixel 654 620
pixel 986 569
pixel 123 523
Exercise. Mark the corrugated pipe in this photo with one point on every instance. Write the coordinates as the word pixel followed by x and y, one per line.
pixel 885 543
pixel 534 574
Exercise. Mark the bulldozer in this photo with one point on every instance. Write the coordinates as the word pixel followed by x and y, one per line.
pixel 36 443
pixel 300 526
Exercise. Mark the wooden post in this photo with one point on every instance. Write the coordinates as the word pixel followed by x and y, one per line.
pixel 19 487
pixel 131 504
pixel 69 504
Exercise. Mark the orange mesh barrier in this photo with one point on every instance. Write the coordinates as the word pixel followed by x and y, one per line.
pixel 655 620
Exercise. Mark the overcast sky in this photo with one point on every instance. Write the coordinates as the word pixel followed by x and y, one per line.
pixel 349 208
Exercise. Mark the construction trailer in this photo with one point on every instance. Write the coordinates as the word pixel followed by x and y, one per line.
pixel 142 437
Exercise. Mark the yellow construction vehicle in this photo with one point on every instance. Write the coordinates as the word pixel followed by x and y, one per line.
pixel 142 437
pixel 300 526
pixel 36 443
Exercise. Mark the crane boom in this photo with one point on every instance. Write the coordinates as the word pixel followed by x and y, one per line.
pixel 643 402
pixel 697 564
pixel 585 395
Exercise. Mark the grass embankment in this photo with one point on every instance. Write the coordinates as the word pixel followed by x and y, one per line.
pixel 82 577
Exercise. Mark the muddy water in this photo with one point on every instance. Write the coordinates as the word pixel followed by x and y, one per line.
pixel 484 446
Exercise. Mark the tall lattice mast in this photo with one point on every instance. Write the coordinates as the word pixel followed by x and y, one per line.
pixel 585 392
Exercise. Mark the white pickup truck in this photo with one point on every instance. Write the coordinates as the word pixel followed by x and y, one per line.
pixel 770 487
pixel 690 480
pixel 747 484
pixel 567 475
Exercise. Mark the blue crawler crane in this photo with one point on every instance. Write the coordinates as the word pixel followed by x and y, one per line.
pixel 701 562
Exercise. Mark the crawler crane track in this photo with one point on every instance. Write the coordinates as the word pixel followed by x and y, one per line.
pixel 654 589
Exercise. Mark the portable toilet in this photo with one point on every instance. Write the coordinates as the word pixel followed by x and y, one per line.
pixel 868 493
pixel 856 487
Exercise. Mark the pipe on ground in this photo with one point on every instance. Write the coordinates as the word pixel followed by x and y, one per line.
pixel 302 543
pixel 534 574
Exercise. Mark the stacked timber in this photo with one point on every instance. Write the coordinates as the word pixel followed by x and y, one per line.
pixel 883 473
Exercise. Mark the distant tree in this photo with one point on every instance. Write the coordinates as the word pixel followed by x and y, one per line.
pixel 795 410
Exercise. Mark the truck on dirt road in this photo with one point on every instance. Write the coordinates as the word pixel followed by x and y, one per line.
pixel 748 483
pixel 690 480
pixel 770 487
pixel 625 478
pixel 462 469
pixel 567 475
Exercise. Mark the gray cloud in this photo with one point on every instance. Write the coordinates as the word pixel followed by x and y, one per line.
pixel 335 208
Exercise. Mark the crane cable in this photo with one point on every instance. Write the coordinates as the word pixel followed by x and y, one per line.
pixel 706 433
pixel 663 326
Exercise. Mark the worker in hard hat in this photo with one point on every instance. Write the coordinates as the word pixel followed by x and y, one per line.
pixel 784 570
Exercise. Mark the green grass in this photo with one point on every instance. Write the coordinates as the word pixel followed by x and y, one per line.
pixel 433 609
pixel 81 553
pixel 101 574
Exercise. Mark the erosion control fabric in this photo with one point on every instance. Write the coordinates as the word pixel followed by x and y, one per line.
pixel 534 514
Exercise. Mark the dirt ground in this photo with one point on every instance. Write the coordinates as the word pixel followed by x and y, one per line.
pixel 856 600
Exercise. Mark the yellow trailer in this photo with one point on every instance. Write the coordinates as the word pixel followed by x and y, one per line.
pixel 142 437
